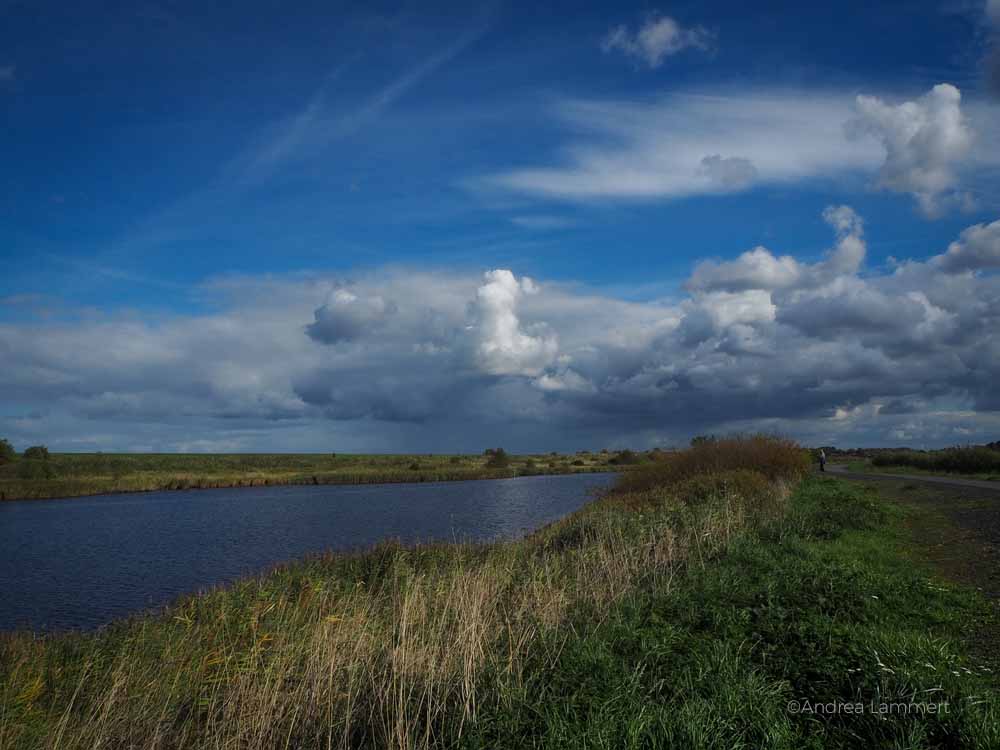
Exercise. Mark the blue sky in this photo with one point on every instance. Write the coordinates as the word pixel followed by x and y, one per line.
pixel 164 161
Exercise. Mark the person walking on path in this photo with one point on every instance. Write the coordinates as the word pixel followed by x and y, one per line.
pixel 822 460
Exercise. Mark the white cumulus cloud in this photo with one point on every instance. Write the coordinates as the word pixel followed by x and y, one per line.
pixel 504 348
pixel 925 140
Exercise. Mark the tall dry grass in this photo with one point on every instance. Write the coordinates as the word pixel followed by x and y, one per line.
pixel 397 647
pixel 773 457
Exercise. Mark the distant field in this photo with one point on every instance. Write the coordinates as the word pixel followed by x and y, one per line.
pixel 76 474
pixel 864 465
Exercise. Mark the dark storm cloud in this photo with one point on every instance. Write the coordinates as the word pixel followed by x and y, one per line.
pixel 345 317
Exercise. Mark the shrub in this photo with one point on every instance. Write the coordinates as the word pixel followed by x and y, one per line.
pixel 498 458
pixel 579 462
pixel 774 457
pixel 34 468
pixel 625 458
pixel 38 452
pixel 7 452
pixel 968 460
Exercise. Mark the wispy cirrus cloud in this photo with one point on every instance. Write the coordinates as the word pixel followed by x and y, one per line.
pixel 304 135
pixel 319 124
pixel 690 144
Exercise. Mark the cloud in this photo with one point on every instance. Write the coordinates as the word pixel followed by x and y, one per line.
pixel 925 140
pixel 694 144
pixel 503 347
pixel 682 145
pixel 317 124
pixel 978 248
pixel 759 268
pixel 656 40
pixel 346 317
pixel 732 173
pixel 399 359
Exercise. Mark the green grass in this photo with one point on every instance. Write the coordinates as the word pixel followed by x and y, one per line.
pixel 686 615
pixel 76 474
pixel 823 606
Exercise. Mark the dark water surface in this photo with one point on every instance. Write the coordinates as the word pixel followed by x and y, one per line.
pixel 81 563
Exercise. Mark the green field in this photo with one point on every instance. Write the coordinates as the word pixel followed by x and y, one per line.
pixel 75 474
pixel 717 598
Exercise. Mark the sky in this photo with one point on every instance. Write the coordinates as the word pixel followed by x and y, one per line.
pixel 419 227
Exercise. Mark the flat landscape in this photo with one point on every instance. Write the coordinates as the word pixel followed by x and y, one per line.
pixel 78 474
pixel 720 597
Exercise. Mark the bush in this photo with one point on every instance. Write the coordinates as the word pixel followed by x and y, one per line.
pixel 34 468
pixel 625 458
pixel 498 458
pixel 37 452
pixel 967 460
pixel 774 457
pixel 7 452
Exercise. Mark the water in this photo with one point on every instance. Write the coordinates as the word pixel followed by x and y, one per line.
pixel 83 562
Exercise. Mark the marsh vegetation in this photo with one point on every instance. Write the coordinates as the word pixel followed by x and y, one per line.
pixel 75 474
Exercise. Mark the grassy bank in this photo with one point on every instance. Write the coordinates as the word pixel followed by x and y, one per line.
pixel 77 474
pixel 686 609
